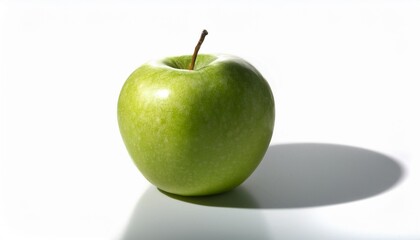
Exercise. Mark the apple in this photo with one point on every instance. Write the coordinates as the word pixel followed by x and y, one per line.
pixel 196 125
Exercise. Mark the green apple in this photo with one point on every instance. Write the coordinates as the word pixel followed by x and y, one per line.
pixel 196 132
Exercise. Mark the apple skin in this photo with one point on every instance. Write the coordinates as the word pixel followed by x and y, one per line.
pixel 196 132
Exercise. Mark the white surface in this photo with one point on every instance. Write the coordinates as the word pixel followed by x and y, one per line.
pixel 342 73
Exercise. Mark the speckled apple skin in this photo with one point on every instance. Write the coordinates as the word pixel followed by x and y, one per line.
pixel 198 132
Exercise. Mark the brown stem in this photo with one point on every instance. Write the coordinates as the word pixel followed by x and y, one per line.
pixel 194 57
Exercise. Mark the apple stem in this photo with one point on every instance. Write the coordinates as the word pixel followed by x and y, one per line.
pixel 194 57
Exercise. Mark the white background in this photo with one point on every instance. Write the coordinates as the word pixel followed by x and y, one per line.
pixel 342 72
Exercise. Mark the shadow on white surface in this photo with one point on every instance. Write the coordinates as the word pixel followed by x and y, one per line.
pixel 310 174
pixel 159 217
pixel 290 176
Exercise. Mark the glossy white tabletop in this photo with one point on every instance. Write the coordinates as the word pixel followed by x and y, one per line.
pixel 344 158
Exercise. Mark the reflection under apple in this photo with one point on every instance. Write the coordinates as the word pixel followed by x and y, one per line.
pixel 158 216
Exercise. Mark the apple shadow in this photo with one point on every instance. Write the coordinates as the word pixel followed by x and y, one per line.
pixel 308 175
